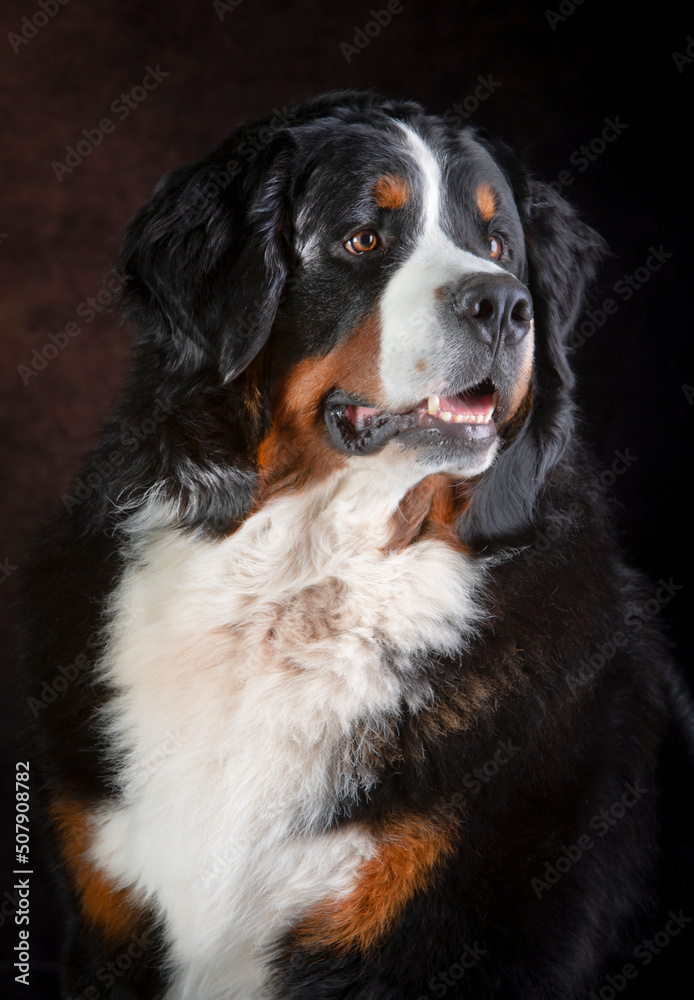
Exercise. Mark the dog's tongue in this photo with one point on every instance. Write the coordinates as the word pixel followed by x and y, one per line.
pixel 466 404
pixel 361 416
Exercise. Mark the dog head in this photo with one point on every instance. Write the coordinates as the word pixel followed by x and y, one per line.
pixel 379 288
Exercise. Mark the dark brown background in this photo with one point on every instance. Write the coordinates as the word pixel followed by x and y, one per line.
pixel 555 90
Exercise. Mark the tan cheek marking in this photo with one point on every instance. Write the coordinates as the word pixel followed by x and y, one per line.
pixel 486 201
pixel 450 500
pixel 297 449
pixel 112 910
pixel 251 399
pixel 429 510
pixel 391 191
pixel 410 850
pixel 522 386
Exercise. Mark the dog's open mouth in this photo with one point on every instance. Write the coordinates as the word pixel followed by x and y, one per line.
pixel 362 429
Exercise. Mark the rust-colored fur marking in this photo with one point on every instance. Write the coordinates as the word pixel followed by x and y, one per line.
pixel 112 910
pixel 486 201
pixel 391 191
pixel 411 848
pixel 521 391
pixel 297 450
pixel 429 509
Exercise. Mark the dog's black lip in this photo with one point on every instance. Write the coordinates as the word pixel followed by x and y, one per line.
pixel 386 425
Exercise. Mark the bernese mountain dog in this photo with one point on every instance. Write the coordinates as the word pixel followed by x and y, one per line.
pixel 360 698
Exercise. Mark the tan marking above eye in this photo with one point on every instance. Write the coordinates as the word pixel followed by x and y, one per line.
pixel 363 241
pixel 486 201
pixel 391 191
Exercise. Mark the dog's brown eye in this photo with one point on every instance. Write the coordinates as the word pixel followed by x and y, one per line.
pixel 362 242
pixel 496 246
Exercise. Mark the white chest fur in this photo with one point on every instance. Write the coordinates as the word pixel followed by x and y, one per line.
pixel 242 667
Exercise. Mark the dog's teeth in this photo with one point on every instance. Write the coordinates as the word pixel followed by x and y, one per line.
pixel 434 410
pixel 495 400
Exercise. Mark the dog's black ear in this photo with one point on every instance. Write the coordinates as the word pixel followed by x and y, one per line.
pixel 203 261
pixel 563 253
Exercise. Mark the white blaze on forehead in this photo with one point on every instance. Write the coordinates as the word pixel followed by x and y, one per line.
pixel 410 333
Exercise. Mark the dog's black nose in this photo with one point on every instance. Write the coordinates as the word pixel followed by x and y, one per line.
pixel 497 309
